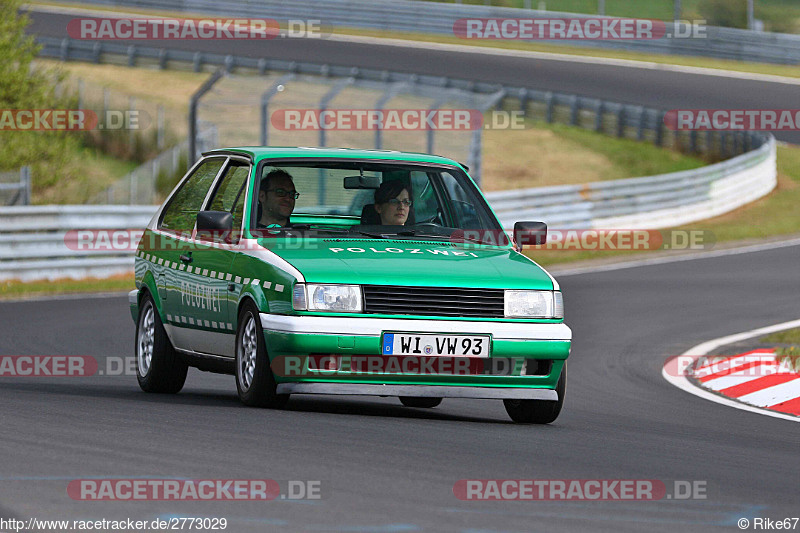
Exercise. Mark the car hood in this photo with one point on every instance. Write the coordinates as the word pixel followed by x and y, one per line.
pixel 413 263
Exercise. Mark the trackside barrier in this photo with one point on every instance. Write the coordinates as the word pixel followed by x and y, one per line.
pixel 646 203
pixel 438 18
pixel 32 238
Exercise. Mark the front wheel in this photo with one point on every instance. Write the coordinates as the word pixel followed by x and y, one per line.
pixel 426 403
pixel 158 367
pixel 538 411
pixel 254 378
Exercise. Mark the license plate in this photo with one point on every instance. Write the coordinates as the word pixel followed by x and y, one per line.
pixel 448 345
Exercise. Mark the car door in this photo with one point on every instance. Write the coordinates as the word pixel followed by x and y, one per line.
pixel 210 302
pixel 175 248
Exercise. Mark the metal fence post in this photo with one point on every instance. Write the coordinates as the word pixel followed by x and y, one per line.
pixel 323 105
pixel 659 140
pixel 326 99
pixel 548 99
pixel 574 110
pixel 387 95
pixel 430 132
pixel 598 118
pixel 265 98
pixel 523 102
pixel 25 185
pixel 209 83
pixel 160 131
pixel 80 93
pixel 131 131
pixel 474 156
pixel 621 121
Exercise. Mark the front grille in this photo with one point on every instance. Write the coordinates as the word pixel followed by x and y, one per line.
pixel 433 301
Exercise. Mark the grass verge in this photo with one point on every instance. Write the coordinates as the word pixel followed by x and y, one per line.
pixel 789 352
pixel 774 215
pixel 12 290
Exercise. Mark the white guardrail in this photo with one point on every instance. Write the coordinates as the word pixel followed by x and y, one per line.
pixel 33 239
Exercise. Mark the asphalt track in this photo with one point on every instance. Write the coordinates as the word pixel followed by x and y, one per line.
pixel 386 468
pixel 655 88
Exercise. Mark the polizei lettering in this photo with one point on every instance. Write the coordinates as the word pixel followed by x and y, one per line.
pixel 201 296
pixel 448 253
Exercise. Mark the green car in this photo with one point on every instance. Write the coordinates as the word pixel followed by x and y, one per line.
pixel 338 271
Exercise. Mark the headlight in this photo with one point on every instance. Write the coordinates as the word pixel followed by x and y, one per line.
pixel 333 298
pixel 534 304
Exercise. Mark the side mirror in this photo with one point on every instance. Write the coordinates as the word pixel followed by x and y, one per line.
pixel 530 233
pixel 214 225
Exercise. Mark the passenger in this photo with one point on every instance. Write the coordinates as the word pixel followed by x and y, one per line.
pixel 276 197
pixel 393 202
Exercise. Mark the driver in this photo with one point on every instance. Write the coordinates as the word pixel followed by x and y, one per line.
pixel 393 202
pixel 277 197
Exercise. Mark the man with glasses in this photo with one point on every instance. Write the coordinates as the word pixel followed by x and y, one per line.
pixel 276 199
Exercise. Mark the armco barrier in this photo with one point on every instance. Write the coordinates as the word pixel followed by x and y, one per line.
pixel 32 242
pixel 646 203
pixel 438 17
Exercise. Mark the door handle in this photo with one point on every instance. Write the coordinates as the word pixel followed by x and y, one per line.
pixel 187 258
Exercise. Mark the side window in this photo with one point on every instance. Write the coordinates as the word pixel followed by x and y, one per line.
pixel 426 205
pixel 230 195
pixel 464 211
pixel 181 213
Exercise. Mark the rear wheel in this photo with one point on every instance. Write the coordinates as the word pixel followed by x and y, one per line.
pixel 538 411
pixel 410 401
pixel 158 367
pixel 254 378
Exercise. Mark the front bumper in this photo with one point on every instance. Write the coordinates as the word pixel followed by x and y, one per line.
pixel 418 391
pixel 349 338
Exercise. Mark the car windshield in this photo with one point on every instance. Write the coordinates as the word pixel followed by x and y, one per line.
pixel 413 201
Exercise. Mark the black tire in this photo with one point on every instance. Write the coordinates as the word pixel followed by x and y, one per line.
pixel 426 403
pixel 256 385
pixel 538 411
pixel 164 371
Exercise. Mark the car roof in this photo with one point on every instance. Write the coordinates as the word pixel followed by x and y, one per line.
pixel 258 153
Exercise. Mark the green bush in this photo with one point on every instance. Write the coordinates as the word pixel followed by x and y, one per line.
pixel 730 13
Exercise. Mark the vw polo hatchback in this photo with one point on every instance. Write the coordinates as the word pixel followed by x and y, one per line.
pixel 356 272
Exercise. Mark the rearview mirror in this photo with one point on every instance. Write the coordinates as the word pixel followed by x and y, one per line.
pixel 530 233
pixel 362 182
